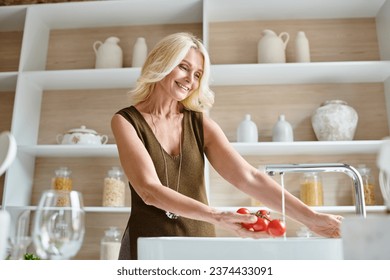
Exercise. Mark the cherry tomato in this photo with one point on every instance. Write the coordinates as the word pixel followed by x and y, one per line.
pixel 243 211
pixel 276 228
pixel 264 214
pixel 261 224
pixel 248 226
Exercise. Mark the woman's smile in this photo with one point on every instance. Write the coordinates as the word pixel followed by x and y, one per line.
pixel 182 86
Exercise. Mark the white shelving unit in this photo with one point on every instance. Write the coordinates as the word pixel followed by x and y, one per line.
pixel 32 79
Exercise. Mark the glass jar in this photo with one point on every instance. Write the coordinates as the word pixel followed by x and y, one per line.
pixel 311 191
pixel 114 188
pixel 62 180
pixel 110 244
pixel 368 184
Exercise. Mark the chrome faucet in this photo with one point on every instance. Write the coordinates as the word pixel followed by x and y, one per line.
pixel 325 167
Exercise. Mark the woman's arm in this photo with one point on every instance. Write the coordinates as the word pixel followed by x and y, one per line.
pixel 141 173
pixel 236 170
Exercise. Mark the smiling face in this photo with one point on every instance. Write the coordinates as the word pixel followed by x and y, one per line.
pixel 185 77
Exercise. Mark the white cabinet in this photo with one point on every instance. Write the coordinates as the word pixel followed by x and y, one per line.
pixel 56 60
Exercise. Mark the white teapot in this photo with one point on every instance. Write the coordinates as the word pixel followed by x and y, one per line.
pixel 108 54
pixel 271 47
pixel 81 136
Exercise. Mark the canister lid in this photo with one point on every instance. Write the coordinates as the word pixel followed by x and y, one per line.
pixel 63 171
pixel 115 172
pixel 112 232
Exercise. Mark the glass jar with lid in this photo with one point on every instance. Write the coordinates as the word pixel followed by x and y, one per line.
pixel 311 191
pixel 368 184
pixel 62 180
pixel 114 188
pixel 110 244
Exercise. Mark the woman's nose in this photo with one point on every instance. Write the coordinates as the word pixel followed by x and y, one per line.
pixel 189 78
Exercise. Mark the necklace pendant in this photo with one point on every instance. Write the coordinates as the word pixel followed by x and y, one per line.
pixel 171 215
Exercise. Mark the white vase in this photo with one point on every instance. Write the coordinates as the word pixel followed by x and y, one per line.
pixel 302 48
pixel 247 130
pixel 282 131
pixel 334 120
pixel 140 52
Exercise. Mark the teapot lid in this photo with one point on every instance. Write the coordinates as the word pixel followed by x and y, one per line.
pixel 82 129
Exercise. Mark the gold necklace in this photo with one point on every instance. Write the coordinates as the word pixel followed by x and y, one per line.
pixel 170 215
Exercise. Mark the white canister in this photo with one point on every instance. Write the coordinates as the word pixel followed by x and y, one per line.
pixel 302 48
pixel 247 130
pixel 140 52
pixel 110 244
pixel 282 131
pixel 114 188
pixel 334 120
pixel 5 221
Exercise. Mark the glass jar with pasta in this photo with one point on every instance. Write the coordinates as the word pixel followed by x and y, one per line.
pixel 62 180
pixel 368 184
pixel 114 188
pixel 311 191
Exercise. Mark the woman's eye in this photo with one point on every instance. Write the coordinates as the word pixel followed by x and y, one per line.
pixel 183 67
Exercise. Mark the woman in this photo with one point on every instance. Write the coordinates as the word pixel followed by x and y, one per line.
pixel 162 140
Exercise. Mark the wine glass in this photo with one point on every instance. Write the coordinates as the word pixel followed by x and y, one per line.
pixel 59 224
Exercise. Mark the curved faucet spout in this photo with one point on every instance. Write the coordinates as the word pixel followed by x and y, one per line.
pixel 326 167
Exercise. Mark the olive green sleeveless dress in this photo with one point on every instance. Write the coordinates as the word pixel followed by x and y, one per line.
pixel 149 221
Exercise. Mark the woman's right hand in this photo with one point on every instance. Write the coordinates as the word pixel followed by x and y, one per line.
pixel 326 225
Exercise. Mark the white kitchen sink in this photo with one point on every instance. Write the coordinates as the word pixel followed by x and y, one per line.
pixel 236 248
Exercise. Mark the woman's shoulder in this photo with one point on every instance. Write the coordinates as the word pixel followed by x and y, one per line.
pixel 126 110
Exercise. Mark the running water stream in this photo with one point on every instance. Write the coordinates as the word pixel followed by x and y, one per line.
pixel 283 202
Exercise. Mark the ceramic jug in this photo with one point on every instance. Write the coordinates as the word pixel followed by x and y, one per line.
pixel 108 54
pixel 271 47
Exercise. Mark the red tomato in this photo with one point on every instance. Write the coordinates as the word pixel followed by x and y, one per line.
pixel 243 211
pixel 264 214
pixel 261 224
pixel 276 228
pixel 248 226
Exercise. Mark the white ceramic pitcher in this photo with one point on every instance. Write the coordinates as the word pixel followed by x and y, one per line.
pixel 108 54
pixel 271 47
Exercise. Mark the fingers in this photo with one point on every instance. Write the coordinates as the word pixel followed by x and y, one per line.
pixel 245 233
pixel 340 218
pixel 241 218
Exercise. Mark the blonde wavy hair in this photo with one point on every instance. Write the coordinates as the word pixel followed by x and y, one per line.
pixel 165 56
